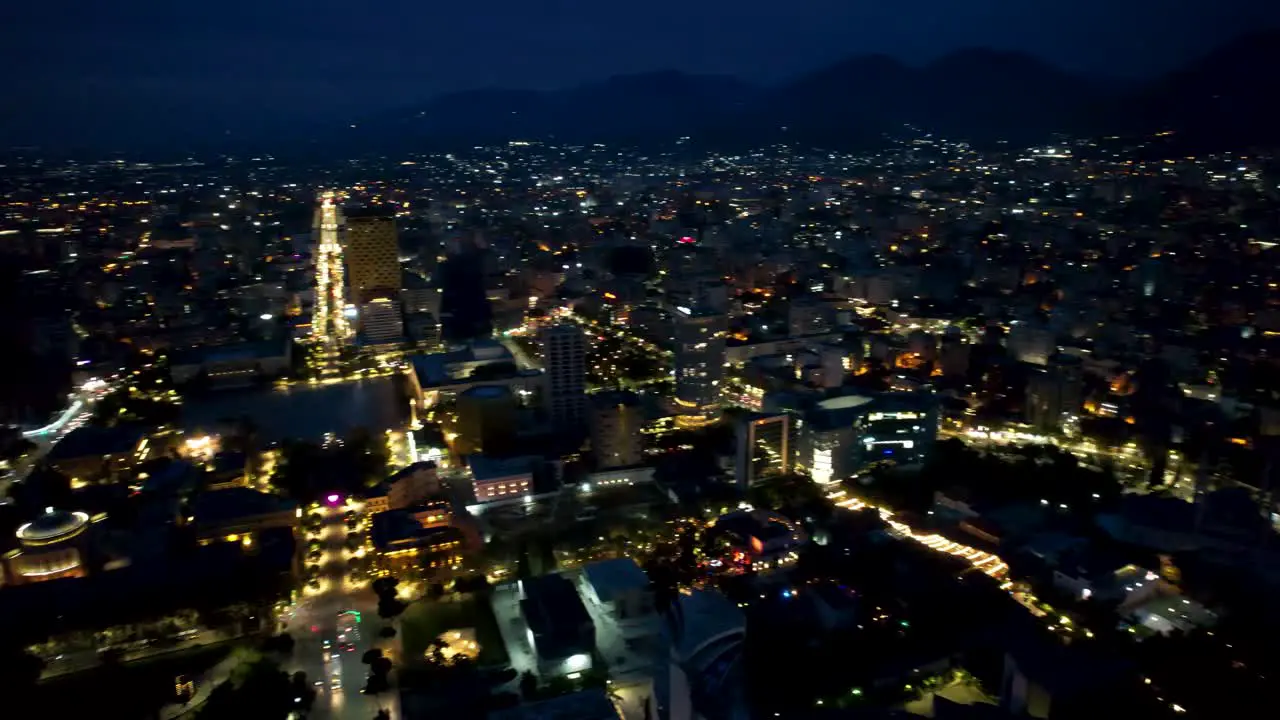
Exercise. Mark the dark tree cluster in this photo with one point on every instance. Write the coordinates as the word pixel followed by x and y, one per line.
pixel 308 471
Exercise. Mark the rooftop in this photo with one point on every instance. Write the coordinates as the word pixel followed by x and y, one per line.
pixel 230 504
pixel 556 617
pixel 229 353
pixel 703 618
pixel 845 402
pixel 1170 613
pixel 612 578
pixel 421 465
pixel 460 365
pixel 484 467
pixel 96 440
pixel 399 528
pixel 488 391
pixel 51 526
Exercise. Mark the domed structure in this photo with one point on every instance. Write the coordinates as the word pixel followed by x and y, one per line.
pixel 54 526
pixel 53 546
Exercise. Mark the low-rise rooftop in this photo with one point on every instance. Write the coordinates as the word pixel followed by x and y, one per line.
pixel 95 440
pixel 397 529
pixel 217 507
pixel 612 578
pixel 556 617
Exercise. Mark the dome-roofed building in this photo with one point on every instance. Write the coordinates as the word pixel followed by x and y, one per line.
pixel 54 545
pixel 53 526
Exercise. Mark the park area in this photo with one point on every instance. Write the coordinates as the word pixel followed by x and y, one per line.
pixel 151 684
pixel 425 620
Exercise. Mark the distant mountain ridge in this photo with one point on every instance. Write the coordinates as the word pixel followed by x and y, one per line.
pixel 978 94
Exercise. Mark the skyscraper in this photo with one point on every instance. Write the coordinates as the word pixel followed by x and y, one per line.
pixel 615 429
pixel 381 321
pixel 564 353
pixel 699 363
pixel 1055 393
pixel 372 256
pixel 465 313
pixel 1031 343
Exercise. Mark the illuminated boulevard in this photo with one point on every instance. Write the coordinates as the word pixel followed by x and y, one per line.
pixel 330 326
pixel 330 637
pixel 78 411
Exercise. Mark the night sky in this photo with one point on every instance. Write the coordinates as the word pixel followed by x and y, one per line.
pixel 93 71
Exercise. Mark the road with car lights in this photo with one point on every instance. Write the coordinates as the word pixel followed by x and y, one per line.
pixel 336 621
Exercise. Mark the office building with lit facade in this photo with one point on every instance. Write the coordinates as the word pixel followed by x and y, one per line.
pixel 842 436
pixel 381 321
pixel 372 256
pixel 616 419
pixel 440 377
pixel 564 354
pixel 501 478
pixel 765 444
pixel 418 541
pixel 700 335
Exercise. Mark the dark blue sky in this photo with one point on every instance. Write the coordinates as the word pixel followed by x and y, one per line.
pixel 88 71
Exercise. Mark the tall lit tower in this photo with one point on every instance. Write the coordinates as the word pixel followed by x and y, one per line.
pixel 699 363
pixel 564 354
pixel 373 256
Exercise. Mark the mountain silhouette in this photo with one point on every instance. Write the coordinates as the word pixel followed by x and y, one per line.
pixel 1229 98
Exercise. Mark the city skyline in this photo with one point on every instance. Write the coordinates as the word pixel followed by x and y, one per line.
pixel 878 359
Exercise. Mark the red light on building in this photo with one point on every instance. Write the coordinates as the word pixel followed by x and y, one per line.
pixel 685 240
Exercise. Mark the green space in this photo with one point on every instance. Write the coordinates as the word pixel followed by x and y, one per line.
pixel 150 683
pixel 425 620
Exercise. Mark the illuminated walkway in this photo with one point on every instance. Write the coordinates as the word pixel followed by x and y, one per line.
pixel 988 563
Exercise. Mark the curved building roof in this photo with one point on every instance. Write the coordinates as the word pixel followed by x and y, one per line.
pixel 52 526
pixel 702 625
pixel 844 402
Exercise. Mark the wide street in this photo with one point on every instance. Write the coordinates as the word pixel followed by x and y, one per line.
pixel 334 624
pixel 77 412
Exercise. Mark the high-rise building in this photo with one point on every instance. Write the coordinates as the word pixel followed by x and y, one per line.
pixel 380 321
pixel 564 354
pixel 842 435
pixel 615 429
pixel 1031 343
pixel 953 355
pixel 699 362
pixel 765 446
pixel 1055 393
pixel 372 255
pixel 485 420
pixel 807 315
pixel 465 312
pixel 419 295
